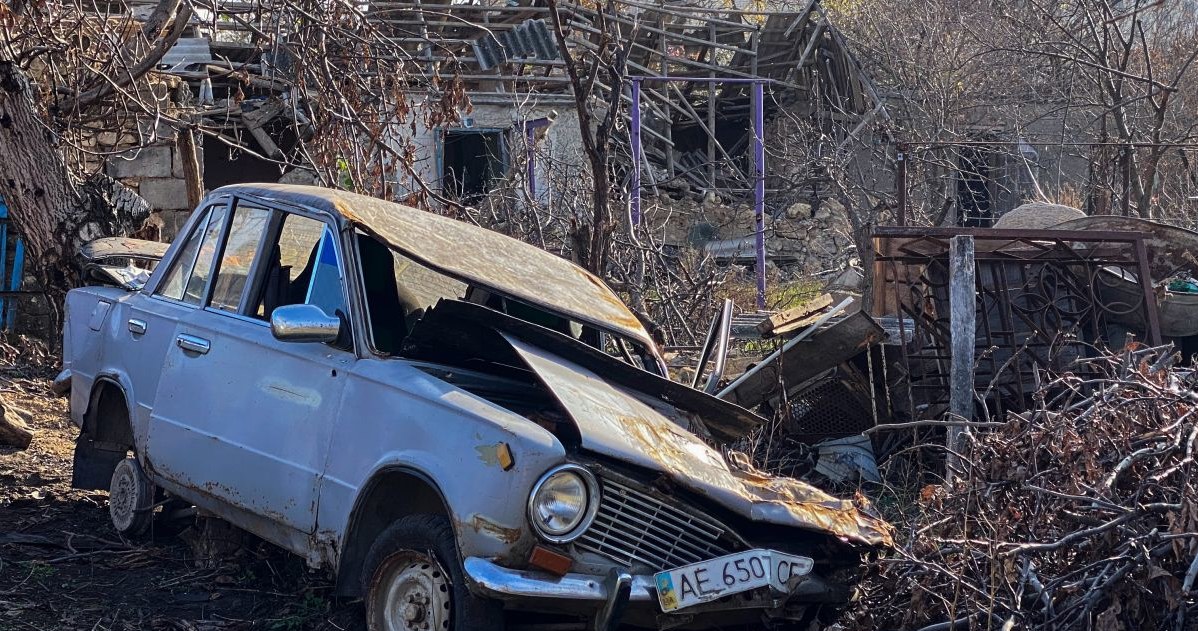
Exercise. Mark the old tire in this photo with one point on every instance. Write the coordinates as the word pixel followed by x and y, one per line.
pixel 413 581
pixel 130 498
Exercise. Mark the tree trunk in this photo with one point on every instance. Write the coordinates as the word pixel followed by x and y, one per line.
pixel 53 213
pixel 36 184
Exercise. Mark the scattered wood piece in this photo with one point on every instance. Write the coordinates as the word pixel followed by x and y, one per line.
pixel 245 77
pixel 790 319
pixel 26 539
pixel 255 120
pixel 14 430
pixel 189 156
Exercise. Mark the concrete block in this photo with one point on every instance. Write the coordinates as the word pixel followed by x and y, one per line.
pixel 145 162
pixel 164 193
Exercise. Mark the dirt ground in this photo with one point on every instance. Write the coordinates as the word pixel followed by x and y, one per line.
pixel 62 566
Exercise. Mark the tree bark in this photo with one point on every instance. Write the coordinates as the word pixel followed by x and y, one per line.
pixel 53 213
pixel 36 183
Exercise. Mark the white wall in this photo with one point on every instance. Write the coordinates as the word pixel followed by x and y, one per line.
pixel 560 143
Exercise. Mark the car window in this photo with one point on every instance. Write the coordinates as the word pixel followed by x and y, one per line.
pixel 189 272
pixel 245 238
pixel 398 292
pixel 304 268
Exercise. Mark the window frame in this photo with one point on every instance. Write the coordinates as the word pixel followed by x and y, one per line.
pixel 198 226
pixel 251 282
pixel 254 282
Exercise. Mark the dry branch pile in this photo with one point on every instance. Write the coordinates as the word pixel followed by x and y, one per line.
pixel 1082 514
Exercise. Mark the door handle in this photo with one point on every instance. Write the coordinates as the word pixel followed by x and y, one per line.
pixel 192 343
pixel 137 327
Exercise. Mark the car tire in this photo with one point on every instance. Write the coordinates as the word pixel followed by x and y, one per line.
pixel 413 581
pixel 130 498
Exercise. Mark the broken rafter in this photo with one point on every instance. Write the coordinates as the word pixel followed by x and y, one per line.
pixel 678 36
pixel 724 70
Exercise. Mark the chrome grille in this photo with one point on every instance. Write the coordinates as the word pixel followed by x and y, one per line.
pixel 632 527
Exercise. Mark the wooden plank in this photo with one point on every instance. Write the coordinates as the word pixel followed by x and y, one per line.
pixel 962 302
pixel 774 324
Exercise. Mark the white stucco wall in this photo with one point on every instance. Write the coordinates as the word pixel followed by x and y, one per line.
pixel 558 145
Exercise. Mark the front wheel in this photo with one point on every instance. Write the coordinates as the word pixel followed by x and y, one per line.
pixel 414 581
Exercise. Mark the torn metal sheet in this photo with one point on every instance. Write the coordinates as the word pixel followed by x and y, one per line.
pixel 794 364
pixel 724 421
pixel 617 423
pixel 126 277
pixel 472 254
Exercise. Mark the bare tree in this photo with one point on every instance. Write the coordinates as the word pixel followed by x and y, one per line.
pixel 606 60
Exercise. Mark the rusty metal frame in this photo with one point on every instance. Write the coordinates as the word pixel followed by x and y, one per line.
pixel 1017 269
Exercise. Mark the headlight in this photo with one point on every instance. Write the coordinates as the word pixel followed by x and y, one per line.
pixel 563 503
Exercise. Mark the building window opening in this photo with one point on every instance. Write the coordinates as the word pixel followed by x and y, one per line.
pixel 472 163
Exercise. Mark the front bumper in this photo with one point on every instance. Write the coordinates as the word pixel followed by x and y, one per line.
pixel 508 584
pixel 503 583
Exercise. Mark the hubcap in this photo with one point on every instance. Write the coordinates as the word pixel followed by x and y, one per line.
pixel 416 593
pixel 122 499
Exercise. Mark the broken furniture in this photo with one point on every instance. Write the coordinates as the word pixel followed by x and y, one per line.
pixel 819 389
pixel 1034 307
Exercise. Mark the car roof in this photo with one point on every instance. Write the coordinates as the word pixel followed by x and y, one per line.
pixel 471 253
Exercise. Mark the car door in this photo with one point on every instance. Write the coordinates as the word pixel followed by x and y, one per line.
pixel 149 318
pixel 240 417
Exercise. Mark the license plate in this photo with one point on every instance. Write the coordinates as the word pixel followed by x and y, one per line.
pixel 708 580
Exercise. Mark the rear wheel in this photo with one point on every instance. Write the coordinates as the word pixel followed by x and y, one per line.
pixel 130 498
pixel 414 581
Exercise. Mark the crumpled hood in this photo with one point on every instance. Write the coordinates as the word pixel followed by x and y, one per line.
pixel 616 422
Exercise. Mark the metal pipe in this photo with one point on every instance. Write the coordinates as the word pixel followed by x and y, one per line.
pixel 635 133
pixel 759 189
pixel 901 184
pixel 635 78
pixel 530 135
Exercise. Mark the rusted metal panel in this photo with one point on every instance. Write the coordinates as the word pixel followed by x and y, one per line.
pixel 724 421
pixel 826 348
pixel 123 247
pixel 470 253
pixel 617 423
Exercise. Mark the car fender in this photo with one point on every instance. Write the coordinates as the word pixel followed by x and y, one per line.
pixel 453 440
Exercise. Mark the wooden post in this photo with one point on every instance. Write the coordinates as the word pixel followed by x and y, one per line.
pixel 962 303
pixel 665 72
pixel 189 158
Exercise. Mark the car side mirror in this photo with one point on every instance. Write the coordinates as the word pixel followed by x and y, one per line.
pixel 304 323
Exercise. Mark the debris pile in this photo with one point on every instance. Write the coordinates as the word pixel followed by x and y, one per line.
pixel 1079 513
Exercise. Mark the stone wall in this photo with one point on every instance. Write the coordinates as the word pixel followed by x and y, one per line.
pixel 803 239
pixel 156 173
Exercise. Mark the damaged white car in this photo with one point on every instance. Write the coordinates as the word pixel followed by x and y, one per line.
pixel 465 429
